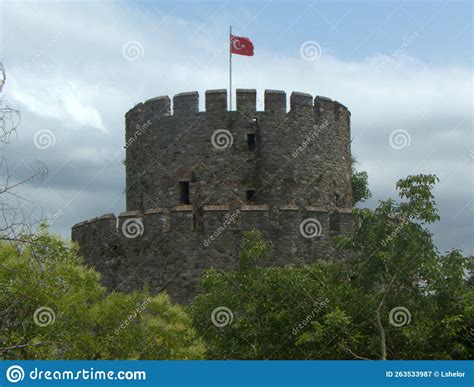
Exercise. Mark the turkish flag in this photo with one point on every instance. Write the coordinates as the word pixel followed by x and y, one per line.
pixel 241 46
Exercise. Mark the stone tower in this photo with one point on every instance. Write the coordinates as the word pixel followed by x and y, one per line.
pixel 195 180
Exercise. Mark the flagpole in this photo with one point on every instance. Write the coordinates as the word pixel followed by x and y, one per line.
pixel 230 69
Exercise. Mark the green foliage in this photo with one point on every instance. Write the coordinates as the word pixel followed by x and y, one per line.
pixel 393 258
pixel 420 202
pixel 390 241
pixel 52 307
pixel 360 185
pixel 348 310
pixel 253 249
pixel 271 308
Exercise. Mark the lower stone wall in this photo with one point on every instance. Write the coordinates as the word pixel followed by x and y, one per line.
pixel 169 250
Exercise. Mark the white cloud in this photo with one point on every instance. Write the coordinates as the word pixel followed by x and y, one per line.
pixel 55 98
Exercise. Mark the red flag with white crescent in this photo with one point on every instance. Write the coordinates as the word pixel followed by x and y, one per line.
pixel 241 46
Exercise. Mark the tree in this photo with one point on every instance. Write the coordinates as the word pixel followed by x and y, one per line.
pixel 360 185
pixel 52 307
pixel 393 297
pixel 258 313
pixel 392 258
pixel 265 311
pixel 391 253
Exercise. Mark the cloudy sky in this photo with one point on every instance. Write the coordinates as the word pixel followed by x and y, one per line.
pixel 404 69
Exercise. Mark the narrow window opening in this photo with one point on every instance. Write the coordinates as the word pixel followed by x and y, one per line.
pixel 250 194
pixel 337 199
pixel 251 141
pixel 334 223
pixel 184 190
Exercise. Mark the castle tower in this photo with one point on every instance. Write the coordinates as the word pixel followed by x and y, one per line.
pixel 195 180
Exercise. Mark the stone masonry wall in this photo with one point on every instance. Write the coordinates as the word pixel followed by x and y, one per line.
pixel 301 157
pixel 166 250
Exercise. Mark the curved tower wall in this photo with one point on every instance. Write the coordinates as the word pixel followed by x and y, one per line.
pixel 301 157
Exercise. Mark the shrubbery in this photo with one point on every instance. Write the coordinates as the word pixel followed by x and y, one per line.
pixel 52 307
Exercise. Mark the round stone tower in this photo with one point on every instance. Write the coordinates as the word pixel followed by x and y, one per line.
pixel 272 157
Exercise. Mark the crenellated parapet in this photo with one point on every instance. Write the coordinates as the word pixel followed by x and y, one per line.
pixel 299 155
pixel 196 180
pixel 275 103
pixel 156 222
pixel 100 230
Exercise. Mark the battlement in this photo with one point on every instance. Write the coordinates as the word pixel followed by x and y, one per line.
pixel 206 220
pixel 160 224
pixel 187 104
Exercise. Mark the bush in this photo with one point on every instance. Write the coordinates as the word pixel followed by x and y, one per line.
pixel 54 308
